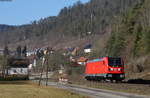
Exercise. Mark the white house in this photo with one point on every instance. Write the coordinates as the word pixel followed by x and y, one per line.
pixel 19 71
pixel 88 48
pixel 29 53
pixel 1 51
pixel 18 67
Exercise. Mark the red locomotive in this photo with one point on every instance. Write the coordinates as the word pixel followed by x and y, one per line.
pixel 106 68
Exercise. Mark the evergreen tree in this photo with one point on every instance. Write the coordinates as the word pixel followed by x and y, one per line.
pixel 6 51
pixel 24 51
pixel 18 51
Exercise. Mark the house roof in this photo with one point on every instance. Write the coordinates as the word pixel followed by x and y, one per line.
pixel 88 46
pixel 18 63
pixel 82 59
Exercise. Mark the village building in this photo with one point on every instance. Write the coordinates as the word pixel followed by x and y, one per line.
pixel 82 60
pixel 1 51
pixel 30 53
pixel 18 67
pixel 87 48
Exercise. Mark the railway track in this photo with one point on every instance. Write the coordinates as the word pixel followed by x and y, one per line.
pixel 95 93
pixel 92 92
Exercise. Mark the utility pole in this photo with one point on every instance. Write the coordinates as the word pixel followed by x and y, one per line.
pixel 45 63
pixel 41 71
pixel 47 71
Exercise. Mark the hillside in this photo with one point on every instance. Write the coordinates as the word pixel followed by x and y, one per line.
pixel 5 27
pixel 74 21
pixel 130 38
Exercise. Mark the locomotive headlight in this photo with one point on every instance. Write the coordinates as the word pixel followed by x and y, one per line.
pixel 111 69
pixel 119 69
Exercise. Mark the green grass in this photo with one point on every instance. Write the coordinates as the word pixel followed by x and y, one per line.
pixel 30 90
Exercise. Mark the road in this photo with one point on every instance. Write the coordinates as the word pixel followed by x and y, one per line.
pixel 93 92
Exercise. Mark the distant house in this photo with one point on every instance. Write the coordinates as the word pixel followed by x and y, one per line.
pixel 72 59
pixel 75 50
pixel 69 49
pixel 87 48
pixel 29 53
pixel 18 67
pixel 1 51
pixel 82 60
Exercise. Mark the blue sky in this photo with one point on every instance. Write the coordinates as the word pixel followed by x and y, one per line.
pixel 19 12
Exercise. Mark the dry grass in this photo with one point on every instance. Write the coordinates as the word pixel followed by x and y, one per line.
pixel 29 90
pixel 143 89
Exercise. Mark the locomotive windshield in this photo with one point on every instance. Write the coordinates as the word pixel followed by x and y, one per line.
pixel 114 62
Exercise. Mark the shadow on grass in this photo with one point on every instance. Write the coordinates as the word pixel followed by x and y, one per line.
pixel 18 82
pixel 139 81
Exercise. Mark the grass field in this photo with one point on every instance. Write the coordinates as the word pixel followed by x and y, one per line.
pixel 30 90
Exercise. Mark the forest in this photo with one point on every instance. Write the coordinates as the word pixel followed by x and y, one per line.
pixel 94 16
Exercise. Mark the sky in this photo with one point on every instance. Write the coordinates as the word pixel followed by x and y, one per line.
pixel 18 12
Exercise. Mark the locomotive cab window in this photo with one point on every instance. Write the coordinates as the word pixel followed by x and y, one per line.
pixel 114 62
